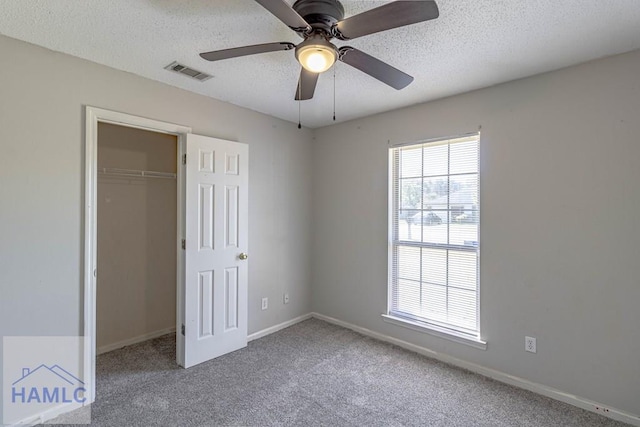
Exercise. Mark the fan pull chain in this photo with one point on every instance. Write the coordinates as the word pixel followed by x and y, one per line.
pixel 299 101
pixel 334 92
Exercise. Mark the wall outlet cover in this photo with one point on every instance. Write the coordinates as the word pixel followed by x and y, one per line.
pixel 530 344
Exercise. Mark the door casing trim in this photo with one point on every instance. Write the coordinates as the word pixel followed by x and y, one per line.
pixel 93 116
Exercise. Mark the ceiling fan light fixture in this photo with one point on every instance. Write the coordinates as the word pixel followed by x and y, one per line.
pixel 316 54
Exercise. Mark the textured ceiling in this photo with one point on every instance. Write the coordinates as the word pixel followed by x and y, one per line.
pixel 473 44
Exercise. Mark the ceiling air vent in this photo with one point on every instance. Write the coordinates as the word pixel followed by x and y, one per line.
pixel 183 69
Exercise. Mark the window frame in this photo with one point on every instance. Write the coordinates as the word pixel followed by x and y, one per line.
pixel 432 327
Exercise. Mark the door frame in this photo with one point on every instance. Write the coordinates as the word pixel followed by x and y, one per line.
pixel 93 116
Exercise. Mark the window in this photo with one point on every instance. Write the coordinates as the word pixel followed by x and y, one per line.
pixel 434 280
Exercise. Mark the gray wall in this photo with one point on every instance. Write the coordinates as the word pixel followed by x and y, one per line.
pixel 42 99
pixel 559 153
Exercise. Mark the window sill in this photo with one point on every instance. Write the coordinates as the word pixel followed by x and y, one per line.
pixel 435 331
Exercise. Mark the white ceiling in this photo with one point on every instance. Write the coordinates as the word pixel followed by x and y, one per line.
pixel 473 44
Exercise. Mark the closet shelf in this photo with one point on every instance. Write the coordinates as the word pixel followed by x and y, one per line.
pixel 135 173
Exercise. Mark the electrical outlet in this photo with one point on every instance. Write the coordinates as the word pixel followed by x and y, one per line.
pixel 530 344
pixel 285 298
pixel 265 303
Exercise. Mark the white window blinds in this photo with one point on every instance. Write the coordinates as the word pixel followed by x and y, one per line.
pixel 435 239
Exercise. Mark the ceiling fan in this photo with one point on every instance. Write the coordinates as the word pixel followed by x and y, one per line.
pixel 319 21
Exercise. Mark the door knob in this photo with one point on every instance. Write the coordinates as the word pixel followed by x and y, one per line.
pixel 243 256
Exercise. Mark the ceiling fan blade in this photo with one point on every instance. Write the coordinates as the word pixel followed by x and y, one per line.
pixel 217 55
pixel 392 15
pixel 286 14
pixel 306 85
pixel 375 68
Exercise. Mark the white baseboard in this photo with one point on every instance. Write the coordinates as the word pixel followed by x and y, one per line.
pixel 48 415
pixel 278 327
pixel 135 340
pixel 553 393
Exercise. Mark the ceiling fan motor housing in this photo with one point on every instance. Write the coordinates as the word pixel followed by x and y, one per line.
pixel 320 14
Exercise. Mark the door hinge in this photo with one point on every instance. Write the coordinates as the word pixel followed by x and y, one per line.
pixel 184 159
pixel 184 244
pixel 182 330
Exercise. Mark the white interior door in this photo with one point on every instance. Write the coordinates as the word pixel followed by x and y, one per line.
pixel 216 220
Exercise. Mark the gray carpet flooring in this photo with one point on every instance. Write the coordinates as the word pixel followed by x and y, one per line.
pixel 312 374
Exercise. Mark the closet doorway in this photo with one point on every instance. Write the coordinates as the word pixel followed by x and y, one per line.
pixel 136 236
pixel 210 240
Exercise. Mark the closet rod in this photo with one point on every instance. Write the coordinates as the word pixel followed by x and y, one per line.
pixel 136 173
